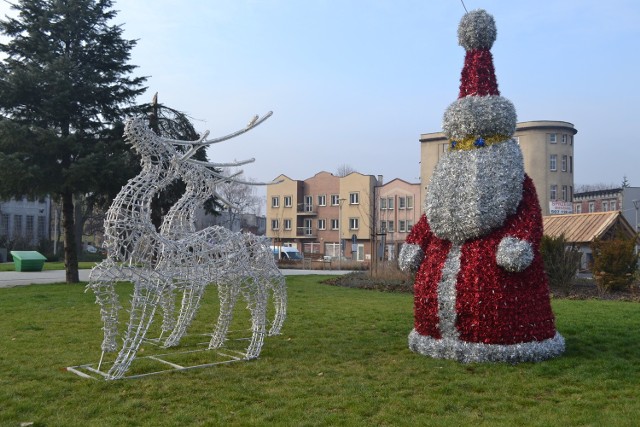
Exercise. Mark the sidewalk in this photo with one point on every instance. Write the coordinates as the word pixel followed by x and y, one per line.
pixel 9 279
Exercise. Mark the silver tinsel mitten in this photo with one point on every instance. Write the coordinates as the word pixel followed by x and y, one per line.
pixel 514 254
pixel 410 257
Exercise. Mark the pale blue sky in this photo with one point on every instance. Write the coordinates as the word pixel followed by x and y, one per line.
pixel 356 82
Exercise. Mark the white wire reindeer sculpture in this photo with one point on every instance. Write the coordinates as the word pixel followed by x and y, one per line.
pixel 158 264
pixel 201 182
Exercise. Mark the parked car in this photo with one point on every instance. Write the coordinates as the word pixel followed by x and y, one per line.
pixel 286 253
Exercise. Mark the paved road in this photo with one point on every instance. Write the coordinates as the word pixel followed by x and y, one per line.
pixel 10 279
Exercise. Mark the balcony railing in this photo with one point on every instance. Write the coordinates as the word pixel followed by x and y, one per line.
pixel 305 232
pixel 306 208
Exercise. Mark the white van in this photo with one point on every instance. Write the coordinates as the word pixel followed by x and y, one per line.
pixel 286 253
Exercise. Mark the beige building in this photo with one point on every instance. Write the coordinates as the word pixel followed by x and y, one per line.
pixel 318 214
pixel 398 207
pixel 547 148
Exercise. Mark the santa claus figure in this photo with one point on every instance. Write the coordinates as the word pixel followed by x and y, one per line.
pixel 481 294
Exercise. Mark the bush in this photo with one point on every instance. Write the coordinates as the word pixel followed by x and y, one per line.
pixel 561 263
pixel 614 263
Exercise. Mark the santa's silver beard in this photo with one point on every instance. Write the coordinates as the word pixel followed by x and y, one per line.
pixel 473 191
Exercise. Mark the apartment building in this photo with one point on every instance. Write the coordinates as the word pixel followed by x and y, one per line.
pixel 324 215
pixel 398 207
pixel 624 199
pixel 547 148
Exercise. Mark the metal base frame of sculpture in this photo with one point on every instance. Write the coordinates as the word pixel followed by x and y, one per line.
pixel 178 259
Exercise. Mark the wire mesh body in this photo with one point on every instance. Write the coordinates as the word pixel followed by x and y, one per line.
pixel 178 259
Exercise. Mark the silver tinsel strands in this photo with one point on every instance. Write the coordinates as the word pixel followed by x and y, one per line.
pixel 179 259
pixel 472 192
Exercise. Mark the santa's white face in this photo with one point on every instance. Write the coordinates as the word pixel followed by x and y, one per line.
pixel 473 191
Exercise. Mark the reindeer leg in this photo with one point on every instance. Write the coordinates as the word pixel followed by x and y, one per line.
pixel 257 304
pixel 102 283
pixel 143 305
pixel 191 298
pixel 278 286
pixel 167 303
pixel 228 295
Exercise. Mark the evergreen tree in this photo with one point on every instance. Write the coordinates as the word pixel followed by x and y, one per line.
pixel 65 83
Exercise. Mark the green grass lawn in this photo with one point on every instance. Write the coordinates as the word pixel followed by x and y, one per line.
pixel 342 360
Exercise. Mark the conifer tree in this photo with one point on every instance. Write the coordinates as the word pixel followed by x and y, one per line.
pixel 65 83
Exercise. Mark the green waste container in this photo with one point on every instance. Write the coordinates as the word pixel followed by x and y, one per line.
pixel 28 260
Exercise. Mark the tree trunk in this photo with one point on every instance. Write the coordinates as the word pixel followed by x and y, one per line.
pixel 78 223
pixel 68 230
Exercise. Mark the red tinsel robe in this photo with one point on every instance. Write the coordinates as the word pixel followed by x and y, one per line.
pixel 493 306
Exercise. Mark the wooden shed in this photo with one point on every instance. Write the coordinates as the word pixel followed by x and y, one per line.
pixel 582 229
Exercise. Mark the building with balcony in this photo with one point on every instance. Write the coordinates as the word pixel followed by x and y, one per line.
pixel 547 149
pixel 398 206
pixel 324 215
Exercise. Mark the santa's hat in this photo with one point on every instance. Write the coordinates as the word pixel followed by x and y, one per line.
pixel 480 116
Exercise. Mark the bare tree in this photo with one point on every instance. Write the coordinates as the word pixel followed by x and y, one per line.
pixel 242 196
pixel 344 170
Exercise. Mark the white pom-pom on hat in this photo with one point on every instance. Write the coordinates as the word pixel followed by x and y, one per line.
pixel 477 30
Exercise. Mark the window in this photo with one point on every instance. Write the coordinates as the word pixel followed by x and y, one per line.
pixel 17 225
pixel 570 139
pixel 409 202
pixel 390 202
pixel 275 202
pixel 553 138
pixel 605 206
pixel 311 248
pixel 308 227
pixel 5 225
pixel 274 224
pixel 353 223
pixel 308 203
pixel 354 198
pixel 553 193
pixel 564 138
pixel 335 199
pixel 322 200
pixel 577 208
pixel 383 204
pixel 322 224
pixel 553 160
pixel 332 249
pixel 409 225
pixel 565 193
pixel 335 224
pixel 613 205
pixel 402 202
pixel 564 163
pixel 28 232
pixel 592 207
pixel 390 226
pixel 383 226
pixel 41 227
pixel 287 201
pixel 571 164
pixel 287 224
pixel 402 226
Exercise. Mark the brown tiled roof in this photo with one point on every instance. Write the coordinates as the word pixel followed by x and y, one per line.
pixel 583 228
